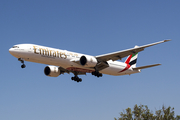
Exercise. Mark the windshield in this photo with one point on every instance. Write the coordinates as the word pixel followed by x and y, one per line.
pixel 15 47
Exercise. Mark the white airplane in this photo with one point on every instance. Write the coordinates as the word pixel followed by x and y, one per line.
pixel 80 64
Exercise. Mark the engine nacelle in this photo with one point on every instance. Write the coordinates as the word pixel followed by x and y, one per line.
pixel 88 61
pixel 51 71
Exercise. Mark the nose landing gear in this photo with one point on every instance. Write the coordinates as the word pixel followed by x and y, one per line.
pixel 22 61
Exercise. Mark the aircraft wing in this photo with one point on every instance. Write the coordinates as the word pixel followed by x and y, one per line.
pixel 63 70
pixel 124 53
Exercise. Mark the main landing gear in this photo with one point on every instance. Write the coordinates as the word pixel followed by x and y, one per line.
pixel 22 61
pixel 76 78
pixel 96 73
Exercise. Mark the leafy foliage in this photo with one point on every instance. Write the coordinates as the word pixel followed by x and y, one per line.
pixel 142 112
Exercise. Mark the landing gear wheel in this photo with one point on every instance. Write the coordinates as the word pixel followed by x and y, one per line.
pixel 23 66
pixel 97 74
pixel 76 78
pixel 80 80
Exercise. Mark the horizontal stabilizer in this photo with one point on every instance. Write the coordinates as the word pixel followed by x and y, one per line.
pixel 143 67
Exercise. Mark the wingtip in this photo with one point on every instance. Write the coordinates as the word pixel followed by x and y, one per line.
pixel 167 40
pixel 157 64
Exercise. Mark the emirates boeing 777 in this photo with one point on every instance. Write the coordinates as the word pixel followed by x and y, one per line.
pixel 63 61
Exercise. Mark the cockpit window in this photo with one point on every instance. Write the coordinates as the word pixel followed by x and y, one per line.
pixel 15 47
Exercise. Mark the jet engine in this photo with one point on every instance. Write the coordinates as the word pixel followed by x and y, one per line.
pixel 88 61
pixel 52 71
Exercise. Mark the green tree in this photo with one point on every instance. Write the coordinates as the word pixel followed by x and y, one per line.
pixel 142 112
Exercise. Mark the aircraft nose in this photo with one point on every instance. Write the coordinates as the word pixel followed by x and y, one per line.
pixel 11 51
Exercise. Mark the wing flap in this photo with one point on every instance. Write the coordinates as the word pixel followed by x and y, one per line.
pixel 102 65
pixel 147 66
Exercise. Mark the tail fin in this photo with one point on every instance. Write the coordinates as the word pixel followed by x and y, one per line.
pixel 132 59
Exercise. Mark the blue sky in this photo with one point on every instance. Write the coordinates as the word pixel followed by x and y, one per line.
pixel 92 27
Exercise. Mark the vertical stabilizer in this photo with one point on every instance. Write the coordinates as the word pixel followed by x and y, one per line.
pixel 132 59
